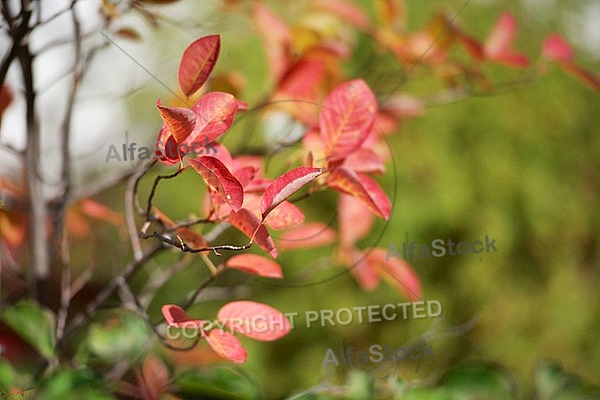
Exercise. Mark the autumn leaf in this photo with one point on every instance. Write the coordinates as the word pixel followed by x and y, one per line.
pixel 227 346
pixel 215 112
pixel 256 265
pixel 198 61
pixel 555 48
pixel 363 188
pixel 177 317
pixel 498 45
pixel 250 225
pixel 286 185
pixel 364 272
pixel 217 176
pixel 354 222
pixel 180 122
pixel 365 161
pixel 347 117
pixel 314 234
pixel 254 320
pixel 284 216
pixel 398 272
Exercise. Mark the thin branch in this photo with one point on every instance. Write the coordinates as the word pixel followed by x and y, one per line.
pixel 155 186
pixel 101 298
pixel 196 295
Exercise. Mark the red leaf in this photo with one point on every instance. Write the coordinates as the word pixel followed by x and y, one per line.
pixel 364 272
pixel 286 185
pixel 398 272
pixel 284 216
pixel 555 48
pixel 245 175
pixel 314 234
pixel 363 188
pixel 181 122
pixel 177 317
pixel 153 379
pixel 218 177
pixel 278 39
pixel 198 61
pixel 101 212
pixel 215 112
pixel 301 80
pixel 499 42
pixel 353 221
pixel 254 264
pixel 365 161
pixel 250 225
pixel 502 35
pixel 347 117
pixel 255 320
pixel 227 346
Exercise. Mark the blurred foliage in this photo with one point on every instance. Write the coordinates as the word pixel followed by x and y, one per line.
pixel 522 166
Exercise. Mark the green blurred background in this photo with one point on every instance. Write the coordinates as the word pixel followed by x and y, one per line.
pixel 521 165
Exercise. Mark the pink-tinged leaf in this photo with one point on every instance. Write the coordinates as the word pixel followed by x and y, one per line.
pixel 258 185
pixel 354 220
pixel 101 212
pixel 250 225
pixel 303 78
pixel 497 47
pixel 284 216
pixel 181 122
pixel 218 177
pixel 502 36
pixel 363 188
pixel 254 264
pixel 215 112
pixel 227 346
pixel 398 272
pixel 347 117
pixel 346 10
pixel 512 59
pixel 198 61
pixel 286 185
pixel 314 234
pixel 245 175
pixel 557 49
pixel 278 38
pixel 583 75
pixel 255 320
pixel 365 274
pixel 365 161
pixel 177 317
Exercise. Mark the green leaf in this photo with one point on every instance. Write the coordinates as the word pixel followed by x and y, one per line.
pixel 360 386
pixel 478 380
pixel 7 376
pixel 220 383
pixel 33 324
pixel 121 336
pixel 553 383
pixel 73 385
